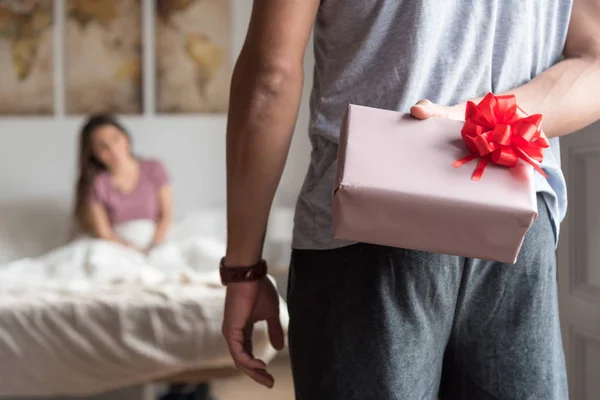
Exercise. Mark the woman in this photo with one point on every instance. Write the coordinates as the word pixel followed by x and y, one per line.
pixel 115 187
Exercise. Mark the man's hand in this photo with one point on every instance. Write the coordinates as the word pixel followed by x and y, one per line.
pixel 247 303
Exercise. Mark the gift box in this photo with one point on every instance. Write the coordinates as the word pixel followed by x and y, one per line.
pixel 401 182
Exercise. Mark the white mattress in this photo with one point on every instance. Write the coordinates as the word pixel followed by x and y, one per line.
pixel 93 316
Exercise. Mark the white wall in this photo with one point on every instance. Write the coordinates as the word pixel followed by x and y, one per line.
pixel 37 155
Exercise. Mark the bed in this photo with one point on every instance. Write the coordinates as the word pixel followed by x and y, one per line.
pixel 87 317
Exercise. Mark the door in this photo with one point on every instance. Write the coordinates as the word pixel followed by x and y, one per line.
pixel 579 263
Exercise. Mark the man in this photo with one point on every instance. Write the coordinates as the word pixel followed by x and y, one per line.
pixel 372 322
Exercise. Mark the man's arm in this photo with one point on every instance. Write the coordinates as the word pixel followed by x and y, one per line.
pixel 266 89
pixel 567 93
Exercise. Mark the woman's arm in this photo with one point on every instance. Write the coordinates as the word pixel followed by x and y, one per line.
pixel 165 199
pixel 101 224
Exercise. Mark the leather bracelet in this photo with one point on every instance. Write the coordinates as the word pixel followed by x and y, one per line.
pixel 236 274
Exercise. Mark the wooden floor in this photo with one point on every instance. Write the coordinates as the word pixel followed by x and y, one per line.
pixel 243 388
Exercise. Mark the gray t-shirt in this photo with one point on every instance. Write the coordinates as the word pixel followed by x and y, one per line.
pixel 392 53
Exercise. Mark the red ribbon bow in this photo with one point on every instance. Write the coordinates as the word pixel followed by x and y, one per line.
pixel 497 129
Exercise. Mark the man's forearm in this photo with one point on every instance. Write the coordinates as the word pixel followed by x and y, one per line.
pixel 565 95
pixel 262 114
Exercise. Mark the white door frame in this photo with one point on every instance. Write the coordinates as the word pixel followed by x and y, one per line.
pixel 579 263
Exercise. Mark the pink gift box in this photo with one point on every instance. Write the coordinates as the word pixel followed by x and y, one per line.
pixel 396 186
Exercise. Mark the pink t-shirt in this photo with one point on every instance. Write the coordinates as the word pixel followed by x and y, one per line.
pixel 141 203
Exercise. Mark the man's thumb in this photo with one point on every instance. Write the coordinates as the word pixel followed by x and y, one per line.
pixel 426 109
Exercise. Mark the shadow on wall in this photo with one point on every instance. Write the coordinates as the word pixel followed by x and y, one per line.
pixel 32 227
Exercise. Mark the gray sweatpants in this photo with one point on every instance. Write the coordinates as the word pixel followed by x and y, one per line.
pixel 372 322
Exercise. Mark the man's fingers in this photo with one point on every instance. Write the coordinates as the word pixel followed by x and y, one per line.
pixel 276 335
pixel 421 109
pixel 242 357
pixel 260 376
pixel 245 362
pixel 420 112
pixel 426 109
pixel 248 339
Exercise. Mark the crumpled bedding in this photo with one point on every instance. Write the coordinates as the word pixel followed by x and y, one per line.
pixel 93 316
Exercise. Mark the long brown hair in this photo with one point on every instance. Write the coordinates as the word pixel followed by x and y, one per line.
pixel 89 165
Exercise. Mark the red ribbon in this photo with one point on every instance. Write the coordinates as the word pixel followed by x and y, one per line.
pixel 497 129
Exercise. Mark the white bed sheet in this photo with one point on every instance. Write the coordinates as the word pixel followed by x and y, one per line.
pixel 94 316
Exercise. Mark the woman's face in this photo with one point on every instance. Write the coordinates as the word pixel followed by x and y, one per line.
pixel 110 146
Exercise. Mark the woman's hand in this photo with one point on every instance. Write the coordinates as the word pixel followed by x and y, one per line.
pixel 103 229
pixel 151 247
pixel 128 244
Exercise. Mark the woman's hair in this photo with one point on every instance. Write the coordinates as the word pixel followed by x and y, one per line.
pixel 89 166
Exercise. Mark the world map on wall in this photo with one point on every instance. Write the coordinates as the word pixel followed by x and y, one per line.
pixel 103 56
pixel 102 48
pixel 24 27
pixel 193 55
pixel 166 8
pixel 86 11
pixel 26 63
